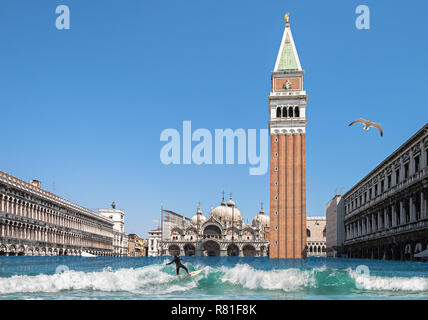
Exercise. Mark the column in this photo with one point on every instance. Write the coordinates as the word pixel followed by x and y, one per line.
pixel 412 208
pixel 385 218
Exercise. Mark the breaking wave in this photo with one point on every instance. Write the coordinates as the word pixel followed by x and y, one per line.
pixel 161 281
pixel 378 283
pixel 149 280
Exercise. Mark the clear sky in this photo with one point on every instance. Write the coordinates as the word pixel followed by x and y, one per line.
pixel 82 109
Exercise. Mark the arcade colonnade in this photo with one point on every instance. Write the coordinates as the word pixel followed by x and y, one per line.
pixel 36 222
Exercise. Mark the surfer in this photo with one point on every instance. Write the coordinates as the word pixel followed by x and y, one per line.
pixel 178 264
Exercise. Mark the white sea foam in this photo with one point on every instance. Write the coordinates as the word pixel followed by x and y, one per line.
pixel 146 280
pixel 370 282
pixel 284 279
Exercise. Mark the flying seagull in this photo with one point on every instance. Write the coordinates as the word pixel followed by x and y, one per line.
pixel 368 124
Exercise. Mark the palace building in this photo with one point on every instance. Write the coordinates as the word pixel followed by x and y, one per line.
pixel 287 127
pixel 386 212
pixel 222 233
pixel 316 236
pixel 36 222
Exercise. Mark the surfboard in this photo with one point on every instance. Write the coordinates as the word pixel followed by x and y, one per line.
pixel 192 274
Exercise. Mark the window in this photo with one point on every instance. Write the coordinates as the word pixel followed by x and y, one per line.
pixel 284 112
pixel 406 170
pixel 375 190
pixel 276 154
pixel 276 227
pixel 308 233
pixel 370 194
pixel 276 139
pixel 382 186
pixel 389 182
pixel 290 112
pixel 276 213
pixel 276 197
pixel 417 166
pixel 397 176
pixel 276 168
pixel 296 112
pixel 276 242
pixel 365 196
pixel 276 183
pixel 278 112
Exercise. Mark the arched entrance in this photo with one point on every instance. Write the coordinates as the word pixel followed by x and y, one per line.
pixel 249 251
pixel 189 249
pixel 233 250
pixel 211 248
pixel 174 250
pixel 212 231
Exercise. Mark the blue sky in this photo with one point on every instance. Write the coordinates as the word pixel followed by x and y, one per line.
pixel 82 109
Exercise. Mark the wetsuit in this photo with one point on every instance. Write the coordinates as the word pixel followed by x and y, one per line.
pixel 178 264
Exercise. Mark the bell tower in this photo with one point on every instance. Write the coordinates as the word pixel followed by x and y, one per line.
pixel 287 127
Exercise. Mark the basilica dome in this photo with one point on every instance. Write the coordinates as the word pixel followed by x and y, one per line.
pixel 225 213
pixel 261 219
pixel 199 216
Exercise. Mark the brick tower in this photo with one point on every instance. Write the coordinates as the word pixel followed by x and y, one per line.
pixel 287 126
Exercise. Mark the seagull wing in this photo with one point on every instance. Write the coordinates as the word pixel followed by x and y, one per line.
pixel 361 120
pixel 377 126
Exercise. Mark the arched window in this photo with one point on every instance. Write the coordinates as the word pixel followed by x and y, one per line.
pixel 290 112
pixel 296 112
pixel 308 233
pixel 324 233
pixel 278 112
pixel 284 112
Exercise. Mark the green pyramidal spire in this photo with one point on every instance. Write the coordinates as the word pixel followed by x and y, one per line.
pixel 287 56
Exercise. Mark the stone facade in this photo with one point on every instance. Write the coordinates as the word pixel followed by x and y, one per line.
pixel 335 227
pixel 36 222
pixel 120 238
pixel 287 127
pixel 386 212
pixel 316 236
pixel 136 246
pixel 154 243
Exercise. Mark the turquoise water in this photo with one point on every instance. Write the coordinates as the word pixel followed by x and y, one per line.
pixel 222 278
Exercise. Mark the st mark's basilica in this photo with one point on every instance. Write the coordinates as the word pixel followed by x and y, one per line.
pixel 222 233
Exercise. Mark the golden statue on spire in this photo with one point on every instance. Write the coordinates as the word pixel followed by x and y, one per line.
pixel 287 17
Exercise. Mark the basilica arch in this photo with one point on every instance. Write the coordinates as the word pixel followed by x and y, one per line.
pixel 189 249
pixel 174 250
pixel 249 250
pixel 212 231
pixel 211 248
pixel 233 250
